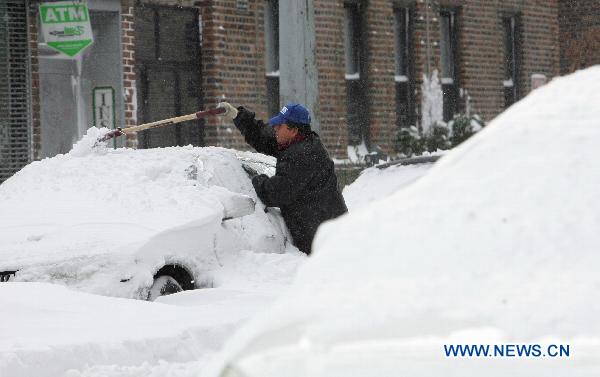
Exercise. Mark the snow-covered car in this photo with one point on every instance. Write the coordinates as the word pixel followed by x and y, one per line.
pixel 495 249
pixel 381 181
pixel 134 223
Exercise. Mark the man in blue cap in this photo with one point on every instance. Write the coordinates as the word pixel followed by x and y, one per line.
pixel 304 186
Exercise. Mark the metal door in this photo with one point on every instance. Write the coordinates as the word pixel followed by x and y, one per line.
pixel 167 52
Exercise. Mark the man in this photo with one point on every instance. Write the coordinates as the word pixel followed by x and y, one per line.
pixel 304 186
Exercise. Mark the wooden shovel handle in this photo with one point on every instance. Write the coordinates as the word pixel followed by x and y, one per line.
pixel 179 119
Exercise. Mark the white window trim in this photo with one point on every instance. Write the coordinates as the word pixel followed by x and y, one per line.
pixel 352 76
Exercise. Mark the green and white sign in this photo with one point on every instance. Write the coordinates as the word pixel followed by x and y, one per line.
pixel 66 26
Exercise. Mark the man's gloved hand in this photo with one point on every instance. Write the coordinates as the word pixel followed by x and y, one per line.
pixel 250 170
pixel 230 111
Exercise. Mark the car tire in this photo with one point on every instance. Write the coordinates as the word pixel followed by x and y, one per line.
pixel 163 285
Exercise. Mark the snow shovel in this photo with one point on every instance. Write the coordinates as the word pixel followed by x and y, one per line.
pixel 160 123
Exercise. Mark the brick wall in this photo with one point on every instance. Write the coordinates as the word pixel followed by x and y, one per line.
pixel 329 23
pixel 232 59
pixel 233 64
pixel 481 49
pixel 480 63
pixel 380 42
pixel 128 64
pixel 579 23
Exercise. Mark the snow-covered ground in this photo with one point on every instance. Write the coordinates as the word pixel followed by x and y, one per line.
pixel 50 330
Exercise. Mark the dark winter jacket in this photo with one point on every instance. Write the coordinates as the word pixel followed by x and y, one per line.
pixel 304 186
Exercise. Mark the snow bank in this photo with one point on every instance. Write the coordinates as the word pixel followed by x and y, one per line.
pixel 498 242
pixel 48 330
pixel 503 227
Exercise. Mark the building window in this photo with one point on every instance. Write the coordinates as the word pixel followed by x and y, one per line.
pixel 448 52
pixel 352 41
pixel 403 68
pixel 511 66
pixel 272 55
pixel 355 81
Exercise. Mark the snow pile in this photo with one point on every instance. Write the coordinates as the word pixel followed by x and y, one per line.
pixel 48 330
pixel 498 243
pixel 89 143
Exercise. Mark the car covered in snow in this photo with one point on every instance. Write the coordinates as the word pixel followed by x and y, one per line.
pixel 495 249
pixel 134 223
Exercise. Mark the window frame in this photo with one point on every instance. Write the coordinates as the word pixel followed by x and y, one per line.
pixel 450 84
pixel 511 25
pixel 355 65
pixel 404 66
pixel 271 29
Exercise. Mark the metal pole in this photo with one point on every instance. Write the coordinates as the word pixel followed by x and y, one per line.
pixel 298 78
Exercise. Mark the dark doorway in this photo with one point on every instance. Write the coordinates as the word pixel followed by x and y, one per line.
pixel 167 53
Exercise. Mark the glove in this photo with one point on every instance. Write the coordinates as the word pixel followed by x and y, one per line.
pixel 250 170
pixel 230 111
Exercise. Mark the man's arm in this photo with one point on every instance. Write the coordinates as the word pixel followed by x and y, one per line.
pixel 284 187
pixel 255 132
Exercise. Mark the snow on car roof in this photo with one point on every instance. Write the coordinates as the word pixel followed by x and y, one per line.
pixel 500 235
pixel 99 197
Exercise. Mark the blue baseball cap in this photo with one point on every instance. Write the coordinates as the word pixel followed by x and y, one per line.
pixel 292 112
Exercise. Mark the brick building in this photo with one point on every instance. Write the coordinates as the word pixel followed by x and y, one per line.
pixel 177 56
pixel 579 34
pixel 371 56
